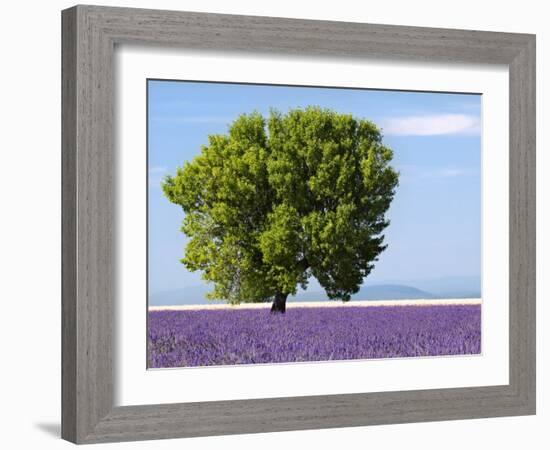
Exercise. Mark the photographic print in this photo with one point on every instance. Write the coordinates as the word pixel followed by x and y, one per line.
pixel 291 224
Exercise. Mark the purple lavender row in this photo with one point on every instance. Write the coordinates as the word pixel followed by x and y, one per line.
pixel 251 336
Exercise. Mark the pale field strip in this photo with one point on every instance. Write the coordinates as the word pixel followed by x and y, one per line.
pixel 324 304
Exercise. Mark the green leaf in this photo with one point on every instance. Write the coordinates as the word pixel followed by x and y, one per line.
pixel 277 200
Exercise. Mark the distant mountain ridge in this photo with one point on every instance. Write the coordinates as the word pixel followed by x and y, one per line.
pixel 450 287
pixel 373 292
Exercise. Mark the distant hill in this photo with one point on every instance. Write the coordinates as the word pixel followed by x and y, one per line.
pixel 197 295
pixel 193 295
pixel 391 292
pixel 444 287
pixel 373 292
pixel 450 287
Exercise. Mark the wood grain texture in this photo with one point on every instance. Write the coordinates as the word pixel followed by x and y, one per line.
pixel 523 224
pixel 68 226
pixel 89 36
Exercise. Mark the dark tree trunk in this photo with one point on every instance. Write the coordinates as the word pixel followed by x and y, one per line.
pixel 279 303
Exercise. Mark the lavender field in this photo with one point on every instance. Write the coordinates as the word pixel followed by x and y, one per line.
pixel 249 336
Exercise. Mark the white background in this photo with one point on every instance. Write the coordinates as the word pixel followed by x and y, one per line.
pixel 30 226
pixel 134 385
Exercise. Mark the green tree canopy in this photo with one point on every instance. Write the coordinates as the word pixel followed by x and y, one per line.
pixel 278 200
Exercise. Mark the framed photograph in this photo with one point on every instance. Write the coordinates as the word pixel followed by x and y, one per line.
pixel 279 224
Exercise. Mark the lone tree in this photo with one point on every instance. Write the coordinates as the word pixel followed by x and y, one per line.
pixel 281 199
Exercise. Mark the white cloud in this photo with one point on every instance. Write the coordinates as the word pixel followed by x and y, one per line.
pixel 157 170
pixel 190 119
pixel 156 175
pixel 432 125
pixel 413 172
pixel 450 173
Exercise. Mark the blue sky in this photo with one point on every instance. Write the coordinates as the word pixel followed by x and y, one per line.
pixel 435 228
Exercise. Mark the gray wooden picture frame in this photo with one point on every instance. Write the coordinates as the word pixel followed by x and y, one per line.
pixel 90 34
